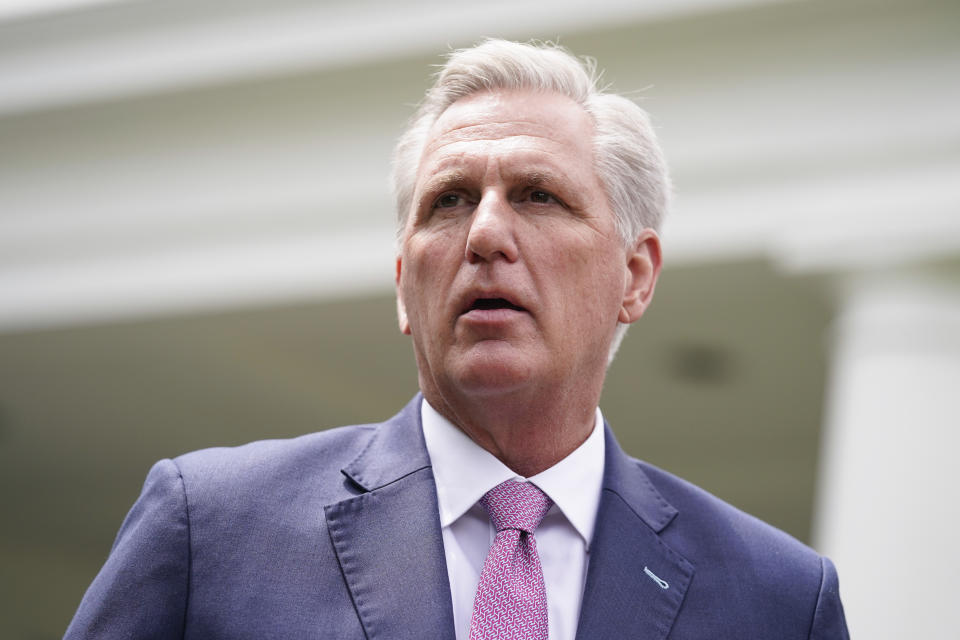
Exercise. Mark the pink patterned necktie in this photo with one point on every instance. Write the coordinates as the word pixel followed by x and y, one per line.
pixel 511 602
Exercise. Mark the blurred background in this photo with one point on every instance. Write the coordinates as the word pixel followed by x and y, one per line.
pixel 196 249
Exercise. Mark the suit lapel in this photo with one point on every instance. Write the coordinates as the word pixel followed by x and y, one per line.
pixel 635 583
pixel 388 538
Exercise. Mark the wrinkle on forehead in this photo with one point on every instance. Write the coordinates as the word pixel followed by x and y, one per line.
pixel 516 157
pixel 490 131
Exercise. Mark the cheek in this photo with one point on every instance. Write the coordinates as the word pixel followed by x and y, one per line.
pixel 425 277
pixel 594 283
pixel 590 269
pixel 436 248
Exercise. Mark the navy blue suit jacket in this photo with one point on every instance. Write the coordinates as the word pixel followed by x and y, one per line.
pixel 337 535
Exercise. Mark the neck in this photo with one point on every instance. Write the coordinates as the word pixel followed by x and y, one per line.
pixel 528 435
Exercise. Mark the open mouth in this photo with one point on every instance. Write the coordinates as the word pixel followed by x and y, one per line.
pixel 492 303
pixel 485 304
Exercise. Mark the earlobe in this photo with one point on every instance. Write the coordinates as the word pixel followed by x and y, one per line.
pixel 643 268
pixel 401 308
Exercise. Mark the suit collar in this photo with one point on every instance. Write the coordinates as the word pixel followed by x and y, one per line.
pixel 623 477
pixel 635 582
pixel 390 535
pixel 395 450
pixel 388 540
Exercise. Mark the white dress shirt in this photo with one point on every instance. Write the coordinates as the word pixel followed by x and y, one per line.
pixel 464 472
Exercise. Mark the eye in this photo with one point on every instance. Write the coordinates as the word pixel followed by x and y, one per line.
pixel 541 197
pixel 447 200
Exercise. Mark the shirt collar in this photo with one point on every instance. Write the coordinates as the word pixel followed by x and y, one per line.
pixel 464 471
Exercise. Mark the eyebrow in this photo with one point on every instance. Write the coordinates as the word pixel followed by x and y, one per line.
pixel 443 181
pixel 535 178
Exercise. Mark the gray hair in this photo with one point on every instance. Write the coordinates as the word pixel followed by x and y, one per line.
pixel 627 157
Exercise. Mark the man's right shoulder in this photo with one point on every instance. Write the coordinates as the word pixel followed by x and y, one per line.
pixel 330 446
pixel 306 469
pixel 288 471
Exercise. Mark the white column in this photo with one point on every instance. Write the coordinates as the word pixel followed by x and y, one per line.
pixel 888 510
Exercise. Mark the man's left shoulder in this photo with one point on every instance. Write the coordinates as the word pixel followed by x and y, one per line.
pixel 758 576
pixel 706 525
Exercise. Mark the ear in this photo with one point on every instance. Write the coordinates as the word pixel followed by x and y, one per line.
pixel 643 268
pixel 401 308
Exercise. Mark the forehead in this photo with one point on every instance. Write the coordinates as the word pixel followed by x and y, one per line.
pixel 530 126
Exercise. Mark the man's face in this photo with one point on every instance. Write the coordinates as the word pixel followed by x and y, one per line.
pixel 511 273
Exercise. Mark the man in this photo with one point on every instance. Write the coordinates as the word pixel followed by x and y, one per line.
pixel 497 504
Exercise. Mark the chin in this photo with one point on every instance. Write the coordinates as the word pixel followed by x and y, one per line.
pixel 492 371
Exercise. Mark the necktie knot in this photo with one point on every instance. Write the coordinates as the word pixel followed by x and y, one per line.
pixel 516 505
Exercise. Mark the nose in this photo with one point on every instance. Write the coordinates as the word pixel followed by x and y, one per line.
pixel 492 233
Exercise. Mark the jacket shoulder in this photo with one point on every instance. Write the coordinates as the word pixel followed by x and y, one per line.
pixel 706 521
pixel 760 577
pixel 263 467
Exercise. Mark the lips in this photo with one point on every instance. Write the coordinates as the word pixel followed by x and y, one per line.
pixel 491 302
pixel 494 303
